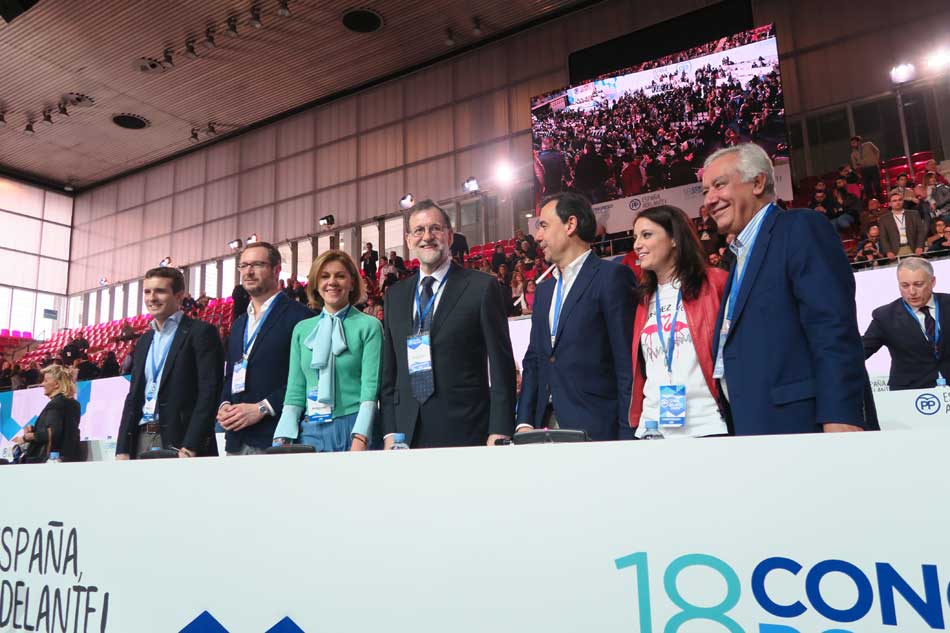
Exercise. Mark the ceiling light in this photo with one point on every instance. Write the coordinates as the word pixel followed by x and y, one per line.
pixel 232 27
pixel 209 39
pixel 47 118
pixel 902 73
pixel 449 38
pixel 63 110
pixel 235 244
pixel 103 281
pixel 476 26
pixel 282 9
pixel 407 201
pixel 194 135
pixel 167 58
pixel 251 239
pixel 529 215
pixel 504 174
pixel 255 18
pixel 28 130
pixel 165 262
pixel 939 60
pixel 3 119
pixel 211 129
pixel 69 186
pixel 470 185
pixel 190 52
pixel 327 220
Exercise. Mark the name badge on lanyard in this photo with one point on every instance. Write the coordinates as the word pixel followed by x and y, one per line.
pixel 239 377
pixel 419 352
pixel 317 412
pixel 148 411
pixel 672 396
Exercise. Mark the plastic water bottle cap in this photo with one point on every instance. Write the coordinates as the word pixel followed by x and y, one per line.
pixel 155 448
pixel 54 455
pixel 652 425
pixel 399 437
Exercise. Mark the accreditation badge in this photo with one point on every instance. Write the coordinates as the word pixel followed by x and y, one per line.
pixel 719 370
pixel 419 353
pixel 673 406
pixel 317 412
pixel 239 377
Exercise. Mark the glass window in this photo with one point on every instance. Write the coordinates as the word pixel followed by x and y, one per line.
pixel 23 309
pixel 286 260
pixel 74 318
pixel 877 121
pixel 470 223
pixel 828 136
pixel 5 299
pixel 105 306
pixel 369 233
pixel 323 243
pixel 211 280
pixel 920 117
pixel 43 328
pixel 228 279
pixel 132 299
pixel 194 280
pixel 394 236
pixel 119 304
pixel 304 259
pixel 348 242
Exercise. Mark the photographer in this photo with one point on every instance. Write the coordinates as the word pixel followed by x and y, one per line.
pixel 870 249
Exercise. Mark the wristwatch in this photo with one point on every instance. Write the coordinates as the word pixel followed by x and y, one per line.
pixel 262 408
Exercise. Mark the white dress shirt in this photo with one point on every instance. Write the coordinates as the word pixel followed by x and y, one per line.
pixel 439 275
pixel 254 322
pixel 920 314
pixel 569 274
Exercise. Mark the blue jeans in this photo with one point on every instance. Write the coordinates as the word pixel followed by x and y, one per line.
pixel 329 437
pixel 843 222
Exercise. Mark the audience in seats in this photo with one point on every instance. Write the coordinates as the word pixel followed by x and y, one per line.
pixel 869 250
pixel 902 232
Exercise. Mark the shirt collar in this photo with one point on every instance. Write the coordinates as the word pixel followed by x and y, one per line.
pixel 267 304
pixel 439 273
pixel 175 319
pixel 751 229
pixel 930 304
pixel 571 270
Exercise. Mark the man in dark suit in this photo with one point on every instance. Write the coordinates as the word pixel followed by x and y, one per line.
pixel 459 248
pixel 369 259
pixel 914 329
pixel 787 347
pixel 176 377
pixel 577 371
pixel 258 355
pixel 452 321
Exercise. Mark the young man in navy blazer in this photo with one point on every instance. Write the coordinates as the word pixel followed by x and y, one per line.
pixel 577 372
pixel 258 355
pixel 788 352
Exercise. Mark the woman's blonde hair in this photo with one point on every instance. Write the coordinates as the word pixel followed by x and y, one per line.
pixel 357 293
pixel 65 379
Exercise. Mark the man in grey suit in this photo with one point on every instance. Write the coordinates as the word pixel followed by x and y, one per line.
pixel 445 331
pixel 902 232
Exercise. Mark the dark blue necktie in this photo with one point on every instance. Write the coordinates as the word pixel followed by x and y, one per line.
pixel 423 383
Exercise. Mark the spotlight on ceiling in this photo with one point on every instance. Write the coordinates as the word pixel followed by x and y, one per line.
pixel 235 244
pixel 194 135
pixel 63 109
pixel 939 60
pixel 251 239
pixel 406 201
pixel 166 262
pixel 476 27
pixel 28 130
pixel 282 9
pixel 3 119
pixel 103 281
pixel 190 51
pixel 902 73
pixel 470 185
pixel 47 118
pixel 504 174
pixel 232 27
pixel 256 18
pixel 327 220
pixel 167 59
pixel 209 39
pixel 69 186
pixel 449 37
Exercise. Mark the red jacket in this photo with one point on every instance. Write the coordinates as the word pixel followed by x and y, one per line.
pixel 701 316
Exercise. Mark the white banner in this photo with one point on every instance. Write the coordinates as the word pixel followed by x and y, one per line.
pixel 795 534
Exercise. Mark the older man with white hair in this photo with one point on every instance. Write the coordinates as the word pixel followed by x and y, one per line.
pixel 787 346
pixel 913 328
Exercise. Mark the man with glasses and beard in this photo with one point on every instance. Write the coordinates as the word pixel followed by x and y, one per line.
pixel 445 331
pixel 258 354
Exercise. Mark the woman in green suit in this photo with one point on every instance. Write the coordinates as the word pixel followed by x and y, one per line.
pixel 333 382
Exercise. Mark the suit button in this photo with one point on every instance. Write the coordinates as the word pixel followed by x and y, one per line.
pixel 552 360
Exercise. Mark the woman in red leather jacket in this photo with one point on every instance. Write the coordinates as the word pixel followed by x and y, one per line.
pixel 672 357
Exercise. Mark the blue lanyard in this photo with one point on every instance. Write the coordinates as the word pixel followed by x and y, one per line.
pixel 936 341
pixel 659 329
pixel 557 304
pixel 158 368
pixel 257 330
pixel 738 275
pixel 424 313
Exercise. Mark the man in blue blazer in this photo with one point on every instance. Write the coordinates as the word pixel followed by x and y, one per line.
pixel 577 372
pixel 787 347
pixel 258 355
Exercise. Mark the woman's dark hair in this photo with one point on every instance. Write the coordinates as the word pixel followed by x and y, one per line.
pixel 689 262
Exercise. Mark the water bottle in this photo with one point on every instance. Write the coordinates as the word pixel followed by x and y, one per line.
pixel 653 431
pixel 54 458
pixel 399 442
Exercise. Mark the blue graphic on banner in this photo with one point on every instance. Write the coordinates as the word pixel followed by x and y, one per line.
pixel 204 623
pixel 285 626
pixel 8 426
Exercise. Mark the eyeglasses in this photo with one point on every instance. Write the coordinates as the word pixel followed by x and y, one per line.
pixel 256 265
pixel 434 229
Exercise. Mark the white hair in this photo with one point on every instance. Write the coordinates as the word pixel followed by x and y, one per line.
pixel 751 161
pixel 915 263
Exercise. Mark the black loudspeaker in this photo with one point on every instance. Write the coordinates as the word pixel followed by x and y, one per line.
pixel 11 9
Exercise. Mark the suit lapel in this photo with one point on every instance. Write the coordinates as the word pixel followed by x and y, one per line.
pixel 754 263
pixel 280 304
pixel 141 358
pixel 456 281
pixel 542 308
pixel 911 323
pixel 181 333
pixel 583 279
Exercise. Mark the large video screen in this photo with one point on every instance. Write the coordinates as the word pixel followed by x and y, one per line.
pixel 638 138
